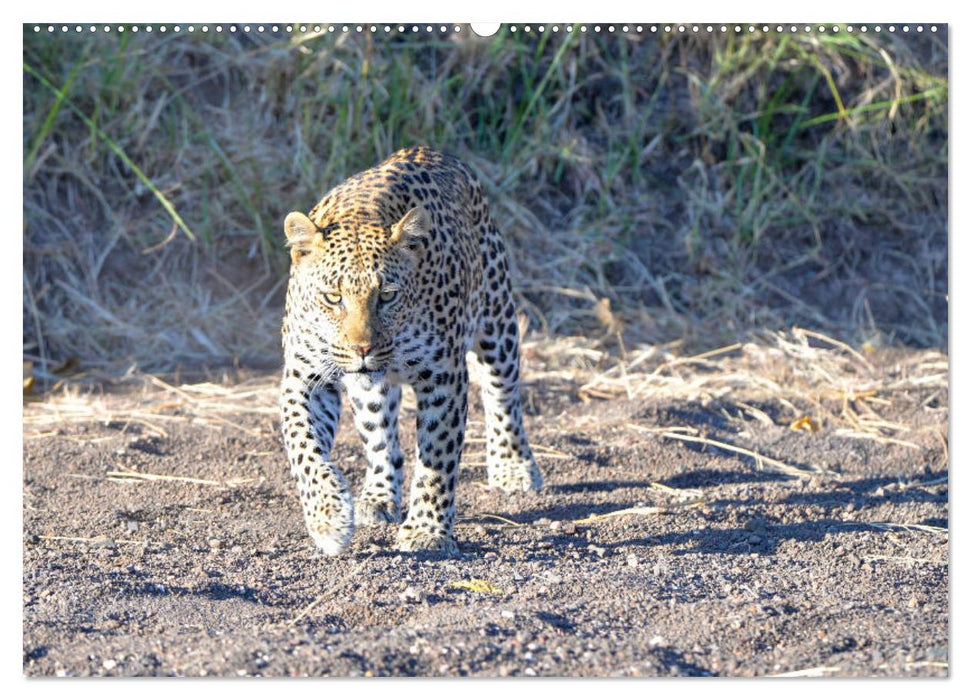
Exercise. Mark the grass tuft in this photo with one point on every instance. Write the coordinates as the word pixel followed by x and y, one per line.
pixel 692 189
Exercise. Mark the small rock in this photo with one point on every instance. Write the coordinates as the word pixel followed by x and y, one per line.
pixel 480 531
pixel 599 551
pixel 631 560
pixel 508 614
pixel 215 544
pixel 411 595
pixel 109 664
pixel 569 528
pixel 556 525
pixel 131 526
pixel 754 539
pixel 755 524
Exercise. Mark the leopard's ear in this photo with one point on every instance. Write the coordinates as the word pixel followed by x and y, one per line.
pixel 301 234
pixel 412 230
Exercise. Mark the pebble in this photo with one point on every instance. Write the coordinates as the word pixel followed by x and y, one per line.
pixel 569 528
pixel 599 551
pixel 556 525
pixel 215 544
pixel 411 595
pixel 508 614
pixel 631 560
pixel 109 664
pixel 755 524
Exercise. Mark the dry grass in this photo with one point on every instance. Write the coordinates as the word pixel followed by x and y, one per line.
pixel 152 403
pixel 819 384
pixel 655 190
pixel 819 381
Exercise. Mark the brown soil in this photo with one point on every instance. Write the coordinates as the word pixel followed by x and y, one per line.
pixel 744 571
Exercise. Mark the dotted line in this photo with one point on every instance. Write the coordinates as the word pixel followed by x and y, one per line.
pixel 454 28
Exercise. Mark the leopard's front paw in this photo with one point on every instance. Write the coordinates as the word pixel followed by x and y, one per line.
pixel 330 540
pixel 376 511
pixel 516 476
pixel 329 515
pixel 424 540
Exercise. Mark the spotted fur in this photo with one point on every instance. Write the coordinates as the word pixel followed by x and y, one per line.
pixel 395 275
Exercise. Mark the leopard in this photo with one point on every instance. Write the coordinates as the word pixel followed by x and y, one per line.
pixel 399 277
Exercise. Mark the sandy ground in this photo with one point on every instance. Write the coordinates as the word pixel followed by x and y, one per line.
pixel 833 563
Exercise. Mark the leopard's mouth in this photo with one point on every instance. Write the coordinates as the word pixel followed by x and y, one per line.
pixel 364 365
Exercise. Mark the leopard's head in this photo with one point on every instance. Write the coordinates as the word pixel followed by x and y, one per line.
pixel 356 282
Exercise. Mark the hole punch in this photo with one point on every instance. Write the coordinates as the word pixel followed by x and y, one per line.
pixel 485 29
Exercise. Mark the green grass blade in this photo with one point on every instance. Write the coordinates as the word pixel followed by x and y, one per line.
pixel 41 136
pixel 110 143
pixel 873 107
pixel 538 92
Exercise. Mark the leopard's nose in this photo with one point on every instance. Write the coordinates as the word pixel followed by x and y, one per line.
pixel 361 349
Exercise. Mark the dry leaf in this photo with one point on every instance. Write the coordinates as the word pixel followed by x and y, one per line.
pixel 476 585
pixel 805 423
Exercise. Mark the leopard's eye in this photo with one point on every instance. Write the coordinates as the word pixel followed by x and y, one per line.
pixel 332 299
pixel 387 296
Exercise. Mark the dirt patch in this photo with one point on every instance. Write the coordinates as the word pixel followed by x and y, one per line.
pixel 162 536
